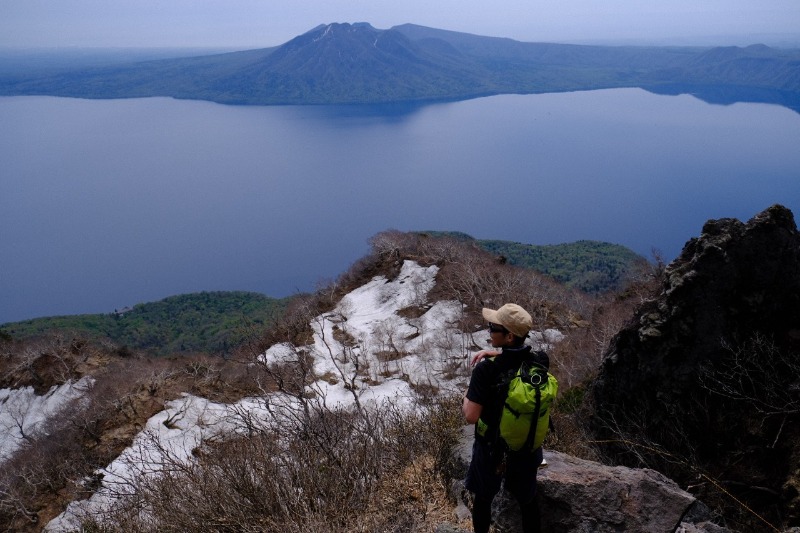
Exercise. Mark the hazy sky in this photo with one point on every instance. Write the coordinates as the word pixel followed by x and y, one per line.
pixel 261 23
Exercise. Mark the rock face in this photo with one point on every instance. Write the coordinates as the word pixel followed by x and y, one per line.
pixel 579 496
pixel 709 371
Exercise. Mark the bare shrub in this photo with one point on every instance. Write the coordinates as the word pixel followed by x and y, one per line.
pixel 393 244
pixel 760 374
pixel 340 473
pixel 44 362
pixel 577 358
pixel 294 326
pixel 38 471
pixel 730 439
pixel 56 463
pixel 478 279
pixel 589 334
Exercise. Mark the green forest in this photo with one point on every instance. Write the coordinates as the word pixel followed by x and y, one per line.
pixel 590 266
pixel 209 322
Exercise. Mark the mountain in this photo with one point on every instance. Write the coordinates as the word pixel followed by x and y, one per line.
pixel 356 63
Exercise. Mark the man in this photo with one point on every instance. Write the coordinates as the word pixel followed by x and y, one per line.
pixel 483 403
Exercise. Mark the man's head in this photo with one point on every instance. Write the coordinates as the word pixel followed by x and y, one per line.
pixel 508 325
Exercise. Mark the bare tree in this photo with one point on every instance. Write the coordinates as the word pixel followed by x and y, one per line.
pixel 759 374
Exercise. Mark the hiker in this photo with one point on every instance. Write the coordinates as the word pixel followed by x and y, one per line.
pixel 483 403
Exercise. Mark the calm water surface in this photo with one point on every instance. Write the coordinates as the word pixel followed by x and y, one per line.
pixel 105 204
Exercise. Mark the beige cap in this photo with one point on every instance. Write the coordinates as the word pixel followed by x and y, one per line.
pixel 512 317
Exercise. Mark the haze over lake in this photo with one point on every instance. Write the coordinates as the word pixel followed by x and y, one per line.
pixel 108 203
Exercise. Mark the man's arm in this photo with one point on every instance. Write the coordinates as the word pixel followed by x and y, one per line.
pixel 472 411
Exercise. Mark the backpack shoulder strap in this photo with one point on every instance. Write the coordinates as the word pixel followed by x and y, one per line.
pixel 540 358
pixel 502 383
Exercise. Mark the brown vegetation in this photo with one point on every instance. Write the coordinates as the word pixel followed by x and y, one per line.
pixel 346 470
pixel 56 462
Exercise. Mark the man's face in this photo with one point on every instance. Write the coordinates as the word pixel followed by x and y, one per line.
pixel 499 336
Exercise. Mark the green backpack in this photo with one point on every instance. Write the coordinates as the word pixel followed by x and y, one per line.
pixel 531 392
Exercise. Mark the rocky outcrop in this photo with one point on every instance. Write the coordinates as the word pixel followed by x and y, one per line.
pixel 705 381
pixel 579 496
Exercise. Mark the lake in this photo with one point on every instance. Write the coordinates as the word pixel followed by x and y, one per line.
pixel 109 203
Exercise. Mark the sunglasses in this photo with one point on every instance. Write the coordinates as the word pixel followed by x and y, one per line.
pixel 496 328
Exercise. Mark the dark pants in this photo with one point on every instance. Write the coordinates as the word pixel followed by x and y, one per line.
pixel 484 479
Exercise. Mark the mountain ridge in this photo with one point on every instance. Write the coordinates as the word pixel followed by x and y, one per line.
pixel 343 63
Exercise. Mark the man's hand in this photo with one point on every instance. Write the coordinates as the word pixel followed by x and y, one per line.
pixel 480 355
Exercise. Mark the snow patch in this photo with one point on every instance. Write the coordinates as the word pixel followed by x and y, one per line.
pixel 24 414
pixel 170 435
